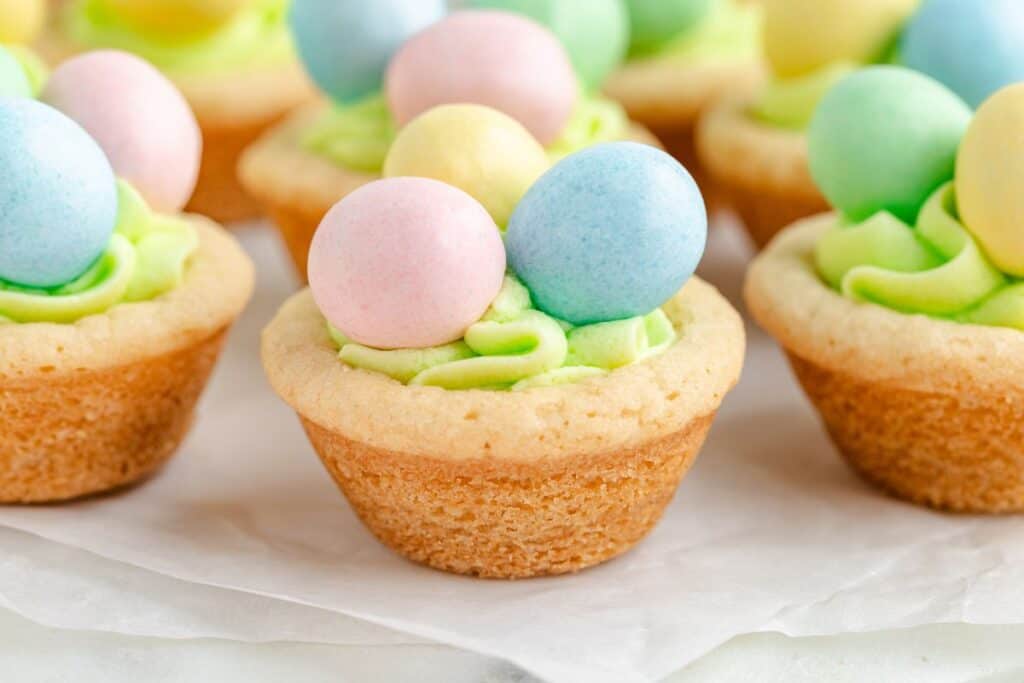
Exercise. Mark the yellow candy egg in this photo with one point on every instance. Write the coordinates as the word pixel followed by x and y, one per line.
pixel 21 20
pixel 990 179
pixel 479 150
pixel 177 17
pixel 801 36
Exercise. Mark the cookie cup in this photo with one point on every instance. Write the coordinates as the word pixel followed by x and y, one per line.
pixel 930 410
pixel 760 170
pixel 510 484
pixel 297 188
pixel 669 98
pixel 233 109
pixel 103 402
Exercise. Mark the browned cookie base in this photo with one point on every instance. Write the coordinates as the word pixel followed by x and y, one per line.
pixel 499 519
pixel 765 211
pixel 74 434
pixel 955 451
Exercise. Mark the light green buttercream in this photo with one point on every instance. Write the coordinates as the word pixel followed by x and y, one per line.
pixel 730 31
pixel 358 136
pixel 935 268
pixel 146 257
pixel 257 36
pixel 790 103
pixel 517 347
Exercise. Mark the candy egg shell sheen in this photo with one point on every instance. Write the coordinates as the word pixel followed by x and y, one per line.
pixel 595 32
pixel 497 59
pixel 21 20
pixel 58 207
pixel 801 36
pixel 655 22
pixel 13 79
pixel 139 118
pixel 609 233
pixel 990 179
pixel 346 45
pixel 974 48
pixel 883 139
pixel 177 17
pixel 477 149
pixel 406 263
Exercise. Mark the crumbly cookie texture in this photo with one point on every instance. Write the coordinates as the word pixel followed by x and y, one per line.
pixel 103 402
pixel 620 410
pixel 931 410
pixel 760 170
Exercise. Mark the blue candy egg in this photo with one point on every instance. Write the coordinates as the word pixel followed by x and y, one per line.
pixel 608 233
pixel 58 196
pixel 13 79
pixel 974 48
pixel 347 44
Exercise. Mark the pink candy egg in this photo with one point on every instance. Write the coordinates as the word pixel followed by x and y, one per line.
pixel 406 263
pixel 497 59
pixel 139 118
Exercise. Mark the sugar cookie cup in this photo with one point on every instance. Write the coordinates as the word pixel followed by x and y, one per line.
pixel 510 485
pixel 761 171
pixel 930 410
pixel 234 104
pixel 297 187
pixel 105 401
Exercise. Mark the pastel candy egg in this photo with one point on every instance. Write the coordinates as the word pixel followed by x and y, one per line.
pixel 138 117
pixel 611 232
pixel 595 32
pixel 974 48
pixel 21 20
pixel 655 22
pixel 347 44
pixel 177 17
pixel 13 79
pixel 883 139
pixel 990 179
pixel 406 263
pixel 801 36
pixel 476 149
pixel 497 59
pixel 58 206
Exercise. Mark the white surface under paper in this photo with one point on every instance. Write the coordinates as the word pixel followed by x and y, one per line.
pixel 769 532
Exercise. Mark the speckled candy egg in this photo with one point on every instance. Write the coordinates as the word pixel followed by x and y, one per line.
pixel 21 20
pixel 139 118
pixel 883 139
pixel 611 232
pixel 801 36
pixel 974 48
pixel 347 44
pixel 655 22
pixel 477 149
pixel 990 179
pixel 177 17
pixel 58 206
pixel 595 32
pixel 497 59
pixel 13 79
pixel 406 263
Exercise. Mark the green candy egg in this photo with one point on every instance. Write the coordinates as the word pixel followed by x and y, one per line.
pixel 883 139
pixel 655 22
pixel 594 32
pixel 14 81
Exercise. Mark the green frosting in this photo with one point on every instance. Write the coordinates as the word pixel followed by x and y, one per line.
pixel 516 347
pixel 147 256
pixel 934 268
pixel 14 81
pixel 257 36
pixel 790 103
pixel 34 67
pixel 731 31
pixel 358 136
